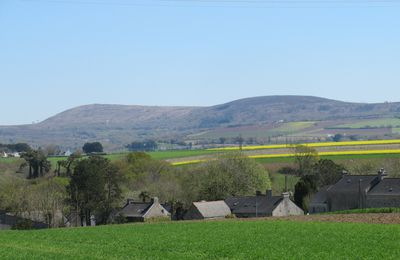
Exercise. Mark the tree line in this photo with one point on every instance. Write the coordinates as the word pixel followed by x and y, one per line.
pixel 95 186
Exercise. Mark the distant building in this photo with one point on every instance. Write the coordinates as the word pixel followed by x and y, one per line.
pixel 16 155
pixel 68 153
pixel 207 210
pixel 140 211
pixel 263 206
pixel 356 192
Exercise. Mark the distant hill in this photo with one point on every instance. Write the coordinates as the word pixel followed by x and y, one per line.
pixel 117 125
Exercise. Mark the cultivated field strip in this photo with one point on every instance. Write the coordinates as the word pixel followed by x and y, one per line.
pixel 322 144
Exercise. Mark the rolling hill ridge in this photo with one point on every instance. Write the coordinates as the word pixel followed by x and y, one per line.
pixel 117 125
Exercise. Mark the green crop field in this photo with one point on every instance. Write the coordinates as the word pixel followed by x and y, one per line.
pixel 163 155
pixel 231 239
pixel 257 132
pixel 373 123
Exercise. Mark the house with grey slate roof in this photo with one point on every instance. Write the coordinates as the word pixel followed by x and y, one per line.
pixel 207 210
pixel 263 206
pixel 357 192
pixel 140 211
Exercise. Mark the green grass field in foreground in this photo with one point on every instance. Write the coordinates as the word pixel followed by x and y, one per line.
pixel 232 239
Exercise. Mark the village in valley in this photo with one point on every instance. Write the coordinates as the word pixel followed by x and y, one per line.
pixel 199 129
pixel 133 186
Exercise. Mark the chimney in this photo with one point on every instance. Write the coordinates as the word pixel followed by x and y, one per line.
pixel 129 201
pixel 155 200
pixel 286 195
pixel 381 174
pixel 258 193
pixel 269 193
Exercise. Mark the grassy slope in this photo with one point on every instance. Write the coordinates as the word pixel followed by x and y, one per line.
pixel 208 240
pixel 254 132
pixel 381 122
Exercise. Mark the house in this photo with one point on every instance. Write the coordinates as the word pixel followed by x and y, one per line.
pixel 263 206
pixel 68 153
pixel 358 191
pixel 140 211
pixel 207 210
pixel 319 202
pixel 16 155
pixel 350 192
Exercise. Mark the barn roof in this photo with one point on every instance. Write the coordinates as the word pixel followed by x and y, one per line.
pixel 136 209
pixel 351 182
pixel 252 204
pixel 212 209
pixel 321 196
pixel 388 186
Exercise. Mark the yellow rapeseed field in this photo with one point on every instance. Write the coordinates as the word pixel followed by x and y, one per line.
pixel 322 144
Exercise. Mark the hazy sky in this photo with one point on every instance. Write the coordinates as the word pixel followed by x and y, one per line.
pixel 57 54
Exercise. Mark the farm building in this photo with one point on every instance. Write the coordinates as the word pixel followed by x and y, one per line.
pixel 207 210
pixel 319 202
pixel 140 211
pixel 385 194
pixel 358 191
pixel 263 206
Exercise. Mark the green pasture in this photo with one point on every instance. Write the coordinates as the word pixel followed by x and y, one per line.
pixel 372 123
pixel 9 160
pixel 331 157
pixel 230 239
pixel 261 132
pixel 163 155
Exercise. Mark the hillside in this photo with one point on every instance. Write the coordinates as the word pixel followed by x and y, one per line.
pixel 117 125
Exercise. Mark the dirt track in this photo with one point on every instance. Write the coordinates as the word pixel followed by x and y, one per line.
pixel 374 218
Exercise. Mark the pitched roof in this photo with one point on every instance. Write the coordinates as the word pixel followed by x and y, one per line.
pixel 212 209
pixel 321 196
pixel 136 209
pixel 388 186
pixel 351 182
pixel 252 204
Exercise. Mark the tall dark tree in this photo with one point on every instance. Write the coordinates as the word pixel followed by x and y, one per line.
pixel 37 162
pixel 94 188
pixel 68 164
pixel 303 190
pixel 145 146
pixel 327 172
pixel 94 147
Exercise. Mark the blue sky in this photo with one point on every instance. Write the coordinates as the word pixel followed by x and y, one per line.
pixel 57 54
